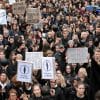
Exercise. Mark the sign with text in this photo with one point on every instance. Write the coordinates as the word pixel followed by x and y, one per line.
pixel 48 68
pixel 32 15
pixel 35 58
pixel 24 71
pixel 3 19
pixel 77 55
pixel 19 8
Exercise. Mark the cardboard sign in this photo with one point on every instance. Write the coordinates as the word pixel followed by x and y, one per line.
pixel 48 68
pixel 32 15
pixel 3 19
pixel 24 71
pixel 77 55
pixel 19 8
pixel 35 58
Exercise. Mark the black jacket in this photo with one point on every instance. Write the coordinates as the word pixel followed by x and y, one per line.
pixel 74 97
pixel 59 95
pixel 42 98
pixel 94 79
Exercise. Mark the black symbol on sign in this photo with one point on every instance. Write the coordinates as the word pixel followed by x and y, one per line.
pixel 24 69
pixel 47 66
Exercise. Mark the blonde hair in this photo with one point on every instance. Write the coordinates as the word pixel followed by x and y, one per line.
pixel 19 57
pixel 83 71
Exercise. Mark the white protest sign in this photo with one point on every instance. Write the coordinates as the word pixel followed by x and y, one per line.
pixel 48 68
pixel 12 2
pixel 35 58
pixel 24 71
pixel 77 55
pixel 3 19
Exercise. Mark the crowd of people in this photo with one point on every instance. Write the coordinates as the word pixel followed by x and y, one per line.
pixel 65 24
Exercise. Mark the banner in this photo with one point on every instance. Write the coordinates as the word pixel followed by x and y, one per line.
pixel 24 71
pixel 77 55
pixel 19 8
pixel 35 58
pixel 48 68
pixel 32 15
pixel 3 19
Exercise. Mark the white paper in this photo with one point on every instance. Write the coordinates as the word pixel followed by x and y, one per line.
pixel 77 55
pixel 35 58
pixel 24 71
pixel 48 68
pixel 3 19
pixel 12 2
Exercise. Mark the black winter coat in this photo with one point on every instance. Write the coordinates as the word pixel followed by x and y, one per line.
pixel 94 79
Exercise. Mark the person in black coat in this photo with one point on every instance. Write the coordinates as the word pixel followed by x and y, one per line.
pixel 95 73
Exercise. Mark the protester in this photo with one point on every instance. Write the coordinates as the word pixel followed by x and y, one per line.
pixel 13 95
pixel 80 93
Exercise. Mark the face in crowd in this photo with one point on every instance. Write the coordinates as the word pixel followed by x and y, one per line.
pixel 12 94
pixel 37 90
pixel 80 90
pixel 97 56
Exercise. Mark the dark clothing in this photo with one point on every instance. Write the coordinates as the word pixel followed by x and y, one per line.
pixel 42 98
pixel 68 91
pixel 3 96
pixel 90 50
pixel 65 40
pixel 68 78
pixel 74 97
pixel 36 98
pixel 59 94
pixel 14 33
pixel 94 78
pixel 60 58
pixel 96 38
pixel 11 70
pixel 22 52
pixel 10 48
